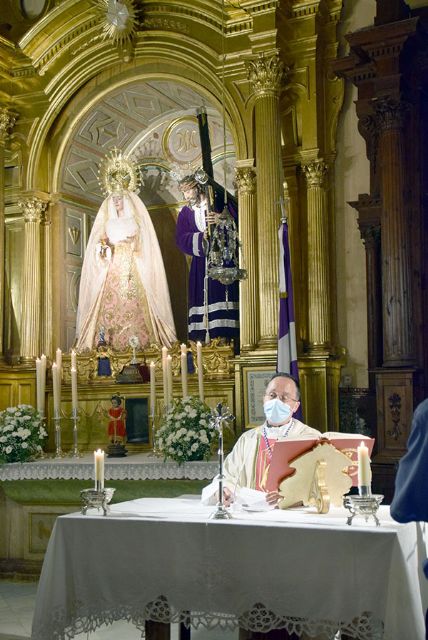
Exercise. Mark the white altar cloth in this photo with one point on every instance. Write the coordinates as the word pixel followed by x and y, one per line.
pixel 164 559
pixel 136 466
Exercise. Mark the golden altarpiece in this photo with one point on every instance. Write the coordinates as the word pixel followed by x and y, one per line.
pixel 73 86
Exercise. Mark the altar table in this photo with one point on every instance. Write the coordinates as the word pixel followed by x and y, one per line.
pixel 165 560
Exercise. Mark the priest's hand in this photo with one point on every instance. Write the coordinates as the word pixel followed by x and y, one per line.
pixel 273 497
pixel 227 497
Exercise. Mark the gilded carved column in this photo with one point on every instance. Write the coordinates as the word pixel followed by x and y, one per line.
pixel 33 211
pixel 398 345
pixel 47 329
pixel 246 184
pixel 319 322
pixel 265 77
pixel 7 120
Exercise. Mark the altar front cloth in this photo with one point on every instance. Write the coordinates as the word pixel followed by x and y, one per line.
pixel 136 466
pixel 166 560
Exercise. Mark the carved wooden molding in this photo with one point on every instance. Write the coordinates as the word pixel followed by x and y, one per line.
pixel 217 361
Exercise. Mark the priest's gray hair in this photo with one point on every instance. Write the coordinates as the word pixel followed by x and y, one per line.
pixel 282 374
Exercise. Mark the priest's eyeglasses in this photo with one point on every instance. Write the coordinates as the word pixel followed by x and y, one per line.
pixel 284 397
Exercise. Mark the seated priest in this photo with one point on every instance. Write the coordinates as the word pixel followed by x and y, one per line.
pixel 248 462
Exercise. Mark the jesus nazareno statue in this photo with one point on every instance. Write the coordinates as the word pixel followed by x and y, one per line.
pixel 123 287
pixel 213 307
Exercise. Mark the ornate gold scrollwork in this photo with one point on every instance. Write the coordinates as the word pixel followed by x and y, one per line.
pixel 217 359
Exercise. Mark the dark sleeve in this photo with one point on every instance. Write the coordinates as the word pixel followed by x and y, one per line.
pixel 410 502
pixel 189 240
pixel 233 210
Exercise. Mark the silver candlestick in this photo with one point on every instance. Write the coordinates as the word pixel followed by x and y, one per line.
pixel 365 504
pixel 98 498
pixel 153 429
pixel 220 415
pixel 57 422
pixel 75 453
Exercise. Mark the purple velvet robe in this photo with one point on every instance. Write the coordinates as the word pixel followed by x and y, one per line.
pixel 222 315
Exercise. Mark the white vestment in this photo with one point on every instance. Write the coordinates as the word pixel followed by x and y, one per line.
pixel 239 467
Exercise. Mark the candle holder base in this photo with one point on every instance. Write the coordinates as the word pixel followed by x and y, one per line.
pixel 364 505
pixel 75 453
pixel 91 498
pixel 221 514
pixel 58 455
pixel 116 450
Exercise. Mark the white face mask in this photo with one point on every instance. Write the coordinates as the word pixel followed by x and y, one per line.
pixel 276 412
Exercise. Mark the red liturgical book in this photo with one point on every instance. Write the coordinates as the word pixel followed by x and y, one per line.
pixel 285 451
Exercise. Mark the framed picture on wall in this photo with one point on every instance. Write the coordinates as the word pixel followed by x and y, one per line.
pixel 137 421
pixel 255 381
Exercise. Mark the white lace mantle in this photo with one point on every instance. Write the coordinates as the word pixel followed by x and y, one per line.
pixel 133 467
pixel 87 617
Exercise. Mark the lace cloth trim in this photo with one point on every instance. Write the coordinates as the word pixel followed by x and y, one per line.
pixel 126 470
pixel 85 617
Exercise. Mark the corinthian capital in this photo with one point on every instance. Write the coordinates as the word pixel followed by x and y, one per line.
pixel 245 179
pixel 391 113
pixel 265 75
pixel 7 120
pixel 370 235
pixel 33 208
pixel 315 173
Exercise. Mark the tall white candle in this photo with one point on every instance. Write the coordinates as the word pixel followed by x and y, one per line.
pixel 183 360
pixel 164 354
pixel 164 376
pixel 74 399
pixel 169 378
pixel 39 384
pixel 55 385
pixel 364 469
pixel 152 389
pixel 43 365
pixel 200 370
pixel 99 468
pixel 73 359
pixel 58 361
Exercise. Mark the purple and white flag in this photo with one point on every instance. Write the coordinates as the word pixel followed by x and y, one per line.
pixel 287 347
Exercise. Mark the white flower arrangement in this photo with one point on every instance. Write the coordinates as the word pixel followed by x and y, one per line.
pixel 21 433
pixel 185 433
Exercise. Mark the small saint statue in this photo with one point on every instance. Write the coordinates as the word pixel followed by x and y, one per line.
pixel 116 428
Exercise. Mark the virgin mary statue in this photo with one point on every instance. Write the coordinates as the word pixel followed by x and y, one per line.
pixel 123 286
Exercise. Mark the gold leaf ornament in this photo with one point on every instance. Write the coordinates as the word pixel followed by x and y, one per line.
pixel 118 20
pixel 117 173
